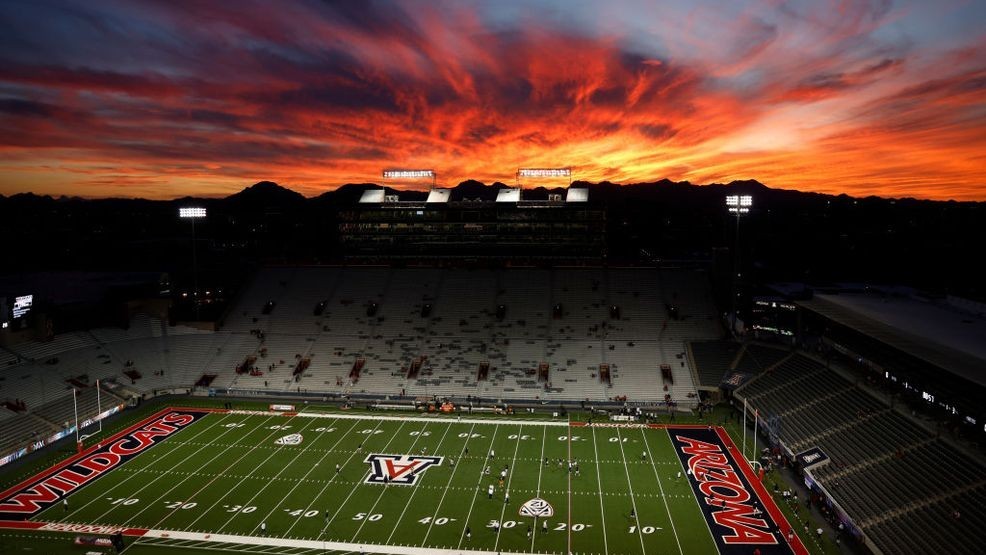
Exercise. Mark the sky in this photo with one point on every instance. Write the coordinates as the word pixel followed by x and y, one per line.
pixel 162 99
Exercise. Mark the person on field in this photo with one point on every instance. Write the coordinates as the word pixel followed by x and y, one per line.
pixel 489 492
pixel 468 533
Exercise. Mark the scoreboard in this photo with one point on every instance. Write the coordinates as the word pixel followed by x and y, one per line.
pixel 22 305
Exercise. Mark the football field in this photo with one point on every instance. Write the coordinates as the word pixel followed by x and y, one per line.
pixel 206 481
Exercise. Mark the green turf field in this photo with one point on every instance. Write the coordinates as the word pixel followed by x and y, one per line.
pixel 225 475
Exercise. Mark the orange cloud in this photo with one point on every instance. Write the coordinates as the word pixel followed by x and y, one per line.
pixel 314 96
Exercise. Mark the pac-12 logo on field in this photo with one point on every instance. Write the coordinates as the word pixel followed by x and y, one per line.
pixel 401 470
pixel 537 507
pixel 292 439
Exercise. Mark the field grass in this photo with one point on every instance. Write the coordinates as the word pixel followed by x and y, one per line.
pixel 224 475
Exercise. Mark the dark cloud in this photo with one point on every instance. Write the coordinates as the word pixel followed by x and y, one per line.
pixel 19 107
pixel 657 131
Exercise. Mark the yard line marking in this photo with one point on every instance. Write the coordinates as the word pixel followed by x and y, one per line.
pixel 411 498
pixel 538 493
pixel 448 485
pixel 352 491
pixel 102 496
pixel 660 487
pixel 569 528
pixel 385 486
pixel 249 475
pixel 506 491
pixel 172 488
pixel 325 487
pixel 633 500
pixel 465 524
pixel 599 481
pixel 303 478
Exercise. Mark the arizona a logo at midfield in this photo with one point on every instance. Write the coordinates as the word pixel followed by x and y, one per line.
pixel 402 470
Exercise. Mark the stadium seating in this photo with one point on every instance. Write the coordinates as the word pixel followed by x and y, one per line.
pixel 713 359
pixel 460 331
pixel 887 472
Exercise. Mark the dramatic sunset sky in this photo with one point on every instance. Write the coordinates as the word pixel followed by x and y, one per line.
pixel 161 98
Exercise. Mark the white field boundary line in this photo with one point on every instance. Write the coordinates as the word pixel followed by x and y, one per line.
pixel 544 436
pixel 489 421
pixel 326 486
pixel 240 550
pixel 250 474
pixel 633 499
pixel 660 487
pixel 303 478
pixel 319 545
pixel 357 487
pixel 200 490
pixel 506 491
pixel 462 535
pixel 438 507
pixel 411 498
pixel 599 482
pixel 383 490
pixel 146 467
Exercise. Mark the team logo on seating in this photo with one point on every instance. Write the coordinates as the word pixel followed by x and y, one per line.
pixel 401 470
pixel 292 439
pixel 537 507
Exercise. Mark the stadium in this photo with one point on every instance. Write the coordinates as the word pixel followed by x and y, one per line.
pixel 476 374
pixel 474 277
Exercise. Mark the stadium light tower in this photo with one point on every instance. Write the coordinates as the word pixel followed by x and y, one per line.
pixel 739 205
pixel 193 213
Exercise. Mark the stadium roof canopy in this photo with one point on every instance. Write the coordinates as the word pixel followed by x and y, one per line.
pixel 949 335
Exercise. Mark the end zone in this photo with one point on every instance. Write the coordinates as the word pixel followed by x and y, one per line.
pixel 741 515
pixel 50 486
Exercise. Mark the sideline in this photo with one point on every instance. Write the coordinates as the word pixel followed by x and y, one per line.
pixel 460 420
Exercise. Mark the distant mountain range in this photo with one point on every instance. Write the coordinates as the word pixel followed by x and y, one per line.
pixel 269 193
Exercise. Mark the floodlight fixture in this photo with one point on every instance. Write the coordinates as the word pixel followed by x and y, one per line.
pixel 191 212
pixel 409 174
pixel 544 172
pixel 739 204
